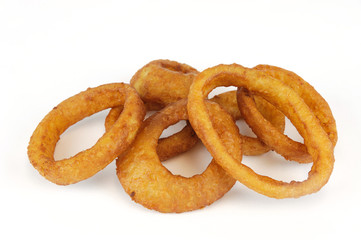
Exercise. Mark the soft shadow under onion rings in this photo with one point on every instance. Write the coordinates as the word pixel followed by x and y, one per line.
pixel 86 163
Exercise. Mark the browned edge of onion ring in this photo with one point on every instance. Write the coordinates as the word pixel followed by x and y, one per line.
pixel 86 163
pixel 282 144
pixel 312 98
pixel 268 133
pixel 286 100
pixel 251 146
pixel 163 81
pixel 168 147
pixel 149 183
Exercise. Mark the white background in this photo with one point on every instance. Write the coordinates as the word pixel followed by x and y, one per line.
pixel 51 50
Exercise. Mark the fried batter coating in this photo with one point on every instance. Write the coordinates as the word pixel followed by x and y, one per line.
pixel 163 81
pixel 86 163
pixel 282 144
pixel 167 147
pixel 288 102
pixel 252 146
pixel 149 183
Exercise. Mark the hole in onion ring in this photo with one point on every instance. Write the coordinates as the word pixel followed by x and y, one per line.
pixel 244 129
pixel 148 114
pixel 242 125
pixel 190 163
pixel 273 165
pixel 173 129
pixel 292 132
pixel 220 90
pixel 80 136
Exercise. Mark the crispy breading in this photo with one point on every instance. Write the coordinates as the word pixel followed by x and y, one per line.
pixel 149 183
pixel 288 102
pixel 86 163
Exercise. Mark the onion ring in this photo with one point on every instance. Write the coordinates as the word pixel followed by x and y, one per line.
pixel 86 163
pixel 167 147
pixel 313 99
pixel 149 183
pixel 287 101
pixel 251 146
pixel 163 81
pixel 282 144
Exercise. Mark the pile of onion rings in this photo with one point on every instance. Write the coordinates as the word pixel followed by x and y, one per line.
pixel 174 91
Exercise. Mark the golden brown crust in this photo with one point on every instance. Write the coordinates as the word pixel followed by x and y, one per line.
pixel 177 143
pixel 287 101
pixel 270 135
pixel 312 98
pixel 251 146
pixel 163 81
pixel 266 131
pixel 264 94
pixel 167 147
pixel 149 183
pixel 86 163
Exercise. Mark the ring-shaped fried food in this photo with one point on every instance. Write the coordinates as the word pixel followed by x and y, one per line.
pixel 312 98
pixel 161 82
pixel 285 146
pixel 149 183
pixel 288 102
pixel 86 163
pixel 266 131
pixel 251 146
pixel 168 147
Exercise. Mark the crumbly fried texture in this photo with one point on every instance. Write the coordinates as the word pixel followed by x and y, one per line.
pixel 252 146
pixel 266 131
pixel 163 81
pixel 86 163
pixel 288 102
pixel 271 136
pixel 167 147
pixel 312 98
pixel 149 183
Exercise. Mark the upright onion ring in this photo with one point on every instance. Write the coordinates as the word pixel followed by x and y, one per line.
pixel 286 100
pixel 252 146
pixel 149 183
pixel 313 99
pixel 282 144
pixel 86 163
